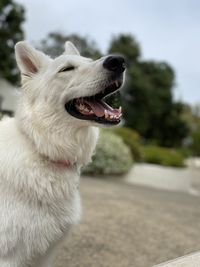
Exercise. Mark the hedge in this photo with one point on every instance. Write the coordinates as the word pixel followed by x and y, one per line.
pixel 163 156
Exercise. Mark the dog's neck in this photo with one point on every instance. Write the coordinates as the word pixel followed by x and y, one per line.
pixel 75 148
pixel 74 144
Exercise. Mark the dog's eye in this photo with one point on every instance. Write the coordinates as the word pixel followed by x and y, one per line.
pixel 67 68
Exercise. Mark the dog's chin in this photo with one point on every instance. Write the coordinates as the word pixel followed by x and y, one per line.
pixel 94 109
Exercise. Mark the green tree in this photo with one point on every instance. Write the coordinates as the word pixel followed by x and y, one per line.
pixel 147 98
pixel 53 45
pixel 11 19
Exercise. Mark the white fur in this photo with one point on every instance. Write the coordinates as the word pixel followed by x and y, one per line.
pixel 39 200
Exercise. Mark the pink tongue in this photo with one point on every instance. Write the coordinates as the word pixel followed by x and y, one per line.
pixel 99 107
pixel 96 107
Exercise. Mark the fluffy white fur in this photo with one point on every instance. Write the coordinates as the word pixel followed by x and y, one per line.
pixel 39 200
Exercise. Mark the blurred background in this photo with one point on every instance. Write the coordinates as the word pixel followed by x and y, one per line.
pixel 141 193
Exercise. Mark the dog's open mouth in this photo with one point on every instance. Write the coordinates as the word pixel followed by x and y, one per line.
pixel 94 108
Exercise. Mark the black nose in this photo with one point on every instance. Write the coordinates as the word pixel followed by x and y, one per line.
pixel 115 64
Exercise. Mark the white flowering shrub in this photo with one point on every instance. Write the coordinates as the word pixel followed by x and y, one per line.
pixel 112 156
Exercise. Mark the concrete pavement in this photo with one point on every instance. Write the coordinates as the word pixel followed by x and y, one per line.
pixel 125 225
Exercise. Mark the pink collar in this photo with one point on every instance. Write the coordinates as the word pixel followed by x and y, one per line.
pixel 62 163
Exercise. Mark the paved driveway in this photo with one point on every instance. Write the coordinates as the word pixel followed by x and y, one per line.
pixel 125 225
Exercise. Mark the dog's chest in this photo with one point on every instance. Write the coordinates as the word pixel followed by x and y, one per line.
pixel 56 210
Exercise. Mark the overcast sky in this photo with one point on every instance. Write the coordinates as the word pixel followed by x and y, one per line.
pixel 167 30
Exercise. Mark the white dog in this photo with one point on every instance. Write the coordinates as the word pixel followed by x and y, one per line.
pixel 42 149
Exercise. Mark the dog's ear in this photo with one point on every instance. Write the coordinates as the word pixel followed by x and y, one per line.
pixel 70 49
pixel 29 60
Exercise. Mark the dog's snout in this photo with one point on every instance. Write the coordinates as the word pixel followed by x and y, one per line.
pixel 115 64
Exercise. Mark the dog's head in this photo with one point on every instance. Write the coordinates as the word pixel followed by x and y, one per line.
pixel 70 87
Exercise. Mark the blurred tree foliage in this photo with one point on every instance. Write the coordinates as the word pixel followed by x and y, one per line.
pixel 147 98
pixel 53 45
pixel 11 19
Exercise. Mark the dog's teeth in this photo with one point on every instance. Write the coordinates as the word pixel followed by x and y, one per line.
pixel 120 109
pixel 108 115
pixel 117 84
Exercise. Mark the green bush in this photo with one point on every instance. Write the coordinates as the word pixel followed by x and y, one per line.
pixel 163 156
pixel 132 139
pixel 196 142
pixel 112 156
